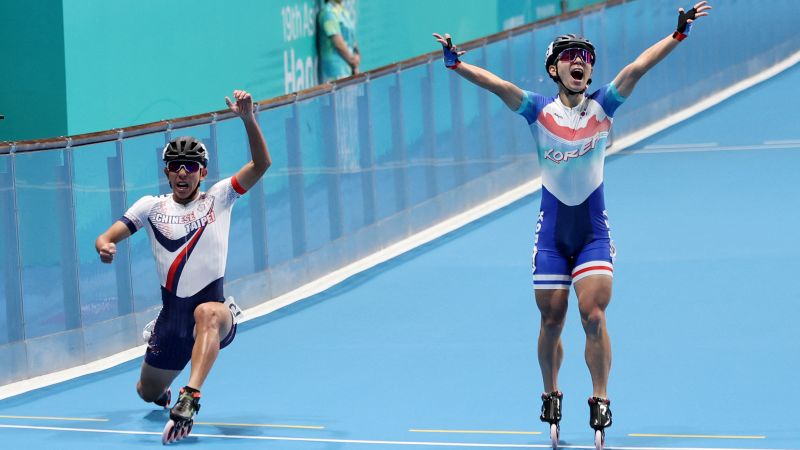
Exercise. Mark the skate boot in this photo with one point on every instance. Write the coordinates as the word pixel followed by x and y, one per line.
pixel 164 400
pixel 551 413
pixel 181 416
pixel 599 419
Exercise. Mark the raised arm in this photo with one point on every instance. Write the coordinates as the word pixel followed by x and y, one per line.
pixel 106 243
pixel 626 80
pixel 509 93
pixel 251 172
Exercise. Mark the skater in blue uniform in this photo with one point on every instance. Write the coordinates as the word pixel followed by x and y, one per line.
pixel 188 232
pixel 572 245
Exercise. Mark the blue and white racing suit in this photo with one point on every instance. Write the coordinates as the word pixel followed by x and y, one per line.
pixel 573 236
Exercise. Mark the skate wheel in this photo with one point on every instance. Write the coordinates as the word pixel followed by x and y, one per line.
pixel 599 439
pixel 186 429
pixel 179 430
pixel 168 434
pixel 554 431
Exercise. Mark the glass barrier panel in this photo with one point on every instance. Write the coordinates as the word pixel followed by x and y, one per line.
pixel 275 123
pixel 353 167
pixel 415 90
pixel 319 146
pixel 501 125
pixel 144 175
pixel 233 152
pixel 445 82
pixel 385 108
pixel 92 189
pixel 11 324
pixel 47 243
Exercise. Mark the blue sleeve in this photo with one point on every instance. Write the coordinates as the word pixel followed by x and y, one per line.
pixel 609 98
pixel 532 104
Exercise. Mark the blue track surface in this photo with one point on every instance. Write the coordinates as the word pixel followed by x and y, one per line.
pixel 444 338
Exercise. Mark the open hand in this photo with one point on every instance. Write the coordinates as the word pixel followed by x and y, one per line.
pixel 686 18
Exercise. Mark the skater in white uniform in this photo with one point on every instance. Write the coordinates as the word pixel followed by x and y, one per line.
pixel 188 232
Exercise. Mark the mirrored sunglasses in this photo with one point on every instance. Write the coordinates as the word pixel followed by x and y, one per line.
pixel 571 54
pixel 188 166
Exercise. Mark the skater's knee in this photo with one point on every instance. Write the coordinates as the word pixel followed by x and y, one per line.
pixel 148 394
pixel 593 321
pixel 552 325
pixel 209 315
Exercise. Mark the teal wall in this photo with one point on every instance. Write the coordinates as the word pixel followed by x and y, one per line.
pixel 136 61
pixel 81 66
pixel 32 76
pixel 390 31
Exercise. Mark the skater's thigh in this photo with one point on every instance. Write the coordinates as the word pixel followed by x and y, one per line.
pixel 153 381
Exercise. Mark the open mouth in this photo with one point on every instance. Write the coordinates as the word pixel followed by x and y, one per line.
pixel 182 185
pixel 576 73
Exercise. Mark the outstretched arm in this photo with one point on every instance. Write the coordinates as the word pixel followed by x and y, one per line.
pixel 627 78
pixel 251 172
pixel 511 95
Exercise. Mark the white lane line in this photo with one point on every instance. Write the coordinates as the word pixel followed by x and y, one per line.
pixel 786 141
pixel 729 148
pixel 663 146
pixel 695 436
pixel 416 430
pixel 71 419
pixel 260 425
pixel 358 441
pixel 297 439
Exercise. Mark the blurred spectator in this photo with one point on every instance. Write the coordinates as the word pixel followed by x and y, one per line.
pixel 338 50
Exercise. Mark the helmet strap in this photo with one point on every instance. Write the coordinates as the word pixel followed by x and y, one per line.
pixel 557 79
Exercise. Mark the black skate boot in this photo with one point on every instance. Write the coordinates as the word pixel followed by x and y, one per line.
pixel 164 400
pixel 599 419
pixel 181 416
pixel 551 413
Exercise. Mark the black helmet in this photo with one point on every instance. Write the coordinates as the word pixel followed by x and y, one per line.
pixel 185 148
pixel 562 43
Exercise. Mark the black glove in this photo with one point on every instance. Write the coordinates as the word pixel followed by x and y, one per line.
pixel 683 26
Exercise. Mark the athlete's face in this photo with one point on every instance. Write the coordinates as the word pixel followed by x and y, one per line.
pixel 573 70
pixel 184 177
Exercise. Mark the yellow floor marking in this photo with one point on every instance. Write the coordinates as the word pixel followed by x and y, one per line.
pixel 264 425
pixel 76 419
pixel 475 431
pixel 701 436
